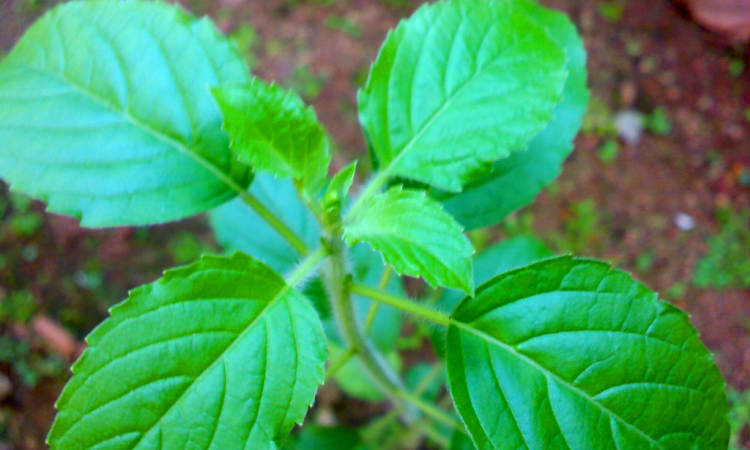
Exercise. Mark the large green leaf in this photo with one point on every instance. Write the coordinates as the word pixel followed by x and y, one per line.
pixel 273 131
pixel 504 256
pixel 105 113
pixel 458 86
pixel 218 354
pixel 515 181
pixel 571 354
pixel 415 236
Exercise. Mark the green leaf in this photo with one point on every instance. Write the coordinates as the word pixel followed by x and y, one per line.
pixel 238 227
pixel 273 131
pixel 571 354
pixel 328 438
pixel 515 181
pixel 337 191
pixel 506 255
pixel 458 86
pixel 218 354
pixel 415 236
pixel 461 441
pixel 105 113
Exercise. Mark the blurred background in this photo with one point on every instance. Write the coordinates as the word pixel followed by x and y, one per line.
pixel 659 182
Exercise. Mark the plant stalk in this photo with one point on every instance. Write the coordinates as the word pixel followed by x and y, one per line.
pixel 338 282
pixel 403 304
pixel 276 223
pixel 307 266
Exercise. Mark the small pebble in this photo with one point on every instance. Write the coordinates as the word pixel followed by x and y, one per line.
pixel 629 125
pixel 684 222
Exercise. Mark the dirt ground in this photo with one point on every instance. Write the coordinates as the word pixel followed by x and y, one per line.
pixel 624 209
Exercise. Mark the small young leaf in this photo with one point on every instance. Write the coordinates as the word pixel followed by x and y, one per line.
pixel 572 354
pixel 458 86
pixel 218 354
pixel 514 182
pixel 507 255
pixel 238 227
pixel 104 113
pixel 338 190
pixel 273 131
pixel 415 236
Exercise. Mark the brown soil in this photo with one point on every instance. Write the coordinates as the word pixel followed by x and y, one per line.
pixel 677 65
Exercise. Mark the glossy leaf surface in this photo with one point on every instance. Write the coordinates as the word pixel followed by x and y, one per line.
pixel 501 257
pixel 218 354
pixel 458 86
pixel 572 354
pixel 273 131
pixel 515 181
pixel 105 113
pixel 415 236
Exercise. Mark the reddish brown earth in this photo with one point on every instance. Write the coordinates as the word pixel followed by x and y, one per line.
pixel 679 66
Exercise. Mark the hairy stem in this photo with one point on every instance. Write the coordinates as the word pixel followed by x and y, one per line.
pixel 338 282
pixel 275 223
pixel 306 267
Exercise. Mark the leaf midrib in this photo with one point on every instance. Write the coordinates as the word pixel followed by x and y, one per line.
pixel 435 116
pixel 513 351
pixel 140 125
pixel 250 327
pixel 262 316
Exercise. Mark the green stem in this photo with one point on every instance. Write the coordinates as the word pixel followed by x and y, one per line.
pixel 403 304
pixel 339 363
pixel 432 434
pixel 373 311
pixel 308 265
pixel 276 223
pixel 370 319
pixel 430 411
pixel 338 284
